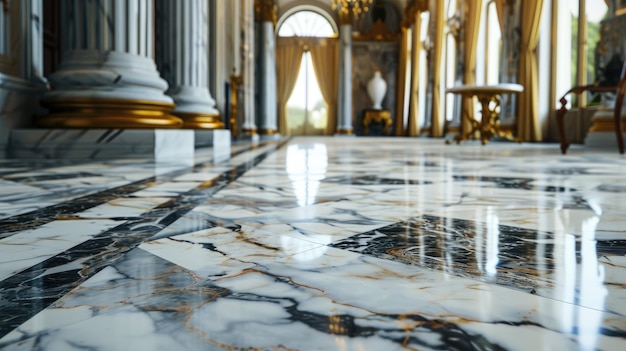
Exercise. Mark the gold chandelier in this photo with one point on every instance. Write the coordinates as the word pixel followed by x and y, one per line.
pixel 356 7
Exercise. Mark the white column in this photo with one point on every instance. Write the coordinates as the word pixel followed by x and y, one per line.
pixel 247 67
pixel 107 77
pixel 182 58
pixel 269 119
pixel 344 115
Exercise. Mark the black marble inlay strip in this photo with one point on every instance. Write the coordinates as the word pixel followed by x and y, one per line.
pixel 515 183
pixel 32 290
pixel 472 250
pixel 372 180
pixel 34 219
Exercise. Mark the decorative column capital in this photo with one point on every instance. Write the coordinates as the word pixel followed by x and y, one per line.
pixel 265 11
pixel 416 7
pixel 346 16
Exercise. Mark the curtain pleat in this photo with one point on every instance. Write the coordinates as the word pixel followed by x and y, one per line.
pixel 437 53
pixel 403 72
pixel 528 125
pixel 288 59
pixel 413 123
pixel 325 59
pixel 500 4
pixel 471 27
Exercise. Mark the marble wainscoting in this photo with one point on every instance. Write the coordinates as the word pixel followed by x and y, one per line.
pixel 330 244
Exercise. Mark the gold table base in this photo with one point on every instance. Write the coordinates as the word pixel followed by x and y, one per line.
pixel 489 124
pixel 377 116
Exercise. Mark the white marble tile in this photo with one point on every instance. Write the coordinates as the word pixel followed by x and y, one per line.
pixel 26 249
pixel 297 252
pixel 123 208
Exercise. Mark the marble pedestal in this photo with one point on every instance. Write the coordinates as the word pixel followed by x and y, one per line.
pixel 161 145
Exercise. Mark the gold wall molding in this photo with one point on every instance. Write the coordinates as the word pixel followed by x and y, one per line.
pixel 107 113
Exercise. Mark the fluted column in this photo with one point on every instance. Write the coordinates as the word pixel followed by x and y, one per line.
pixel 269 117
pixel 182 58
pixel 247 68
pixel 32 39
pixel 107 77
pixel 344 115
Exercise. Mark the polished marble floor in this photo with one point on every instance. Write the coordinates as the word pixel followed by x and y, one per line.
pixel 318 244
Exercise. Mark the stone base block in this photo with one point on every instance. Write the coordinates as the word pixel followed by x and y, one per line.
pixel 161 145
pixel 217 139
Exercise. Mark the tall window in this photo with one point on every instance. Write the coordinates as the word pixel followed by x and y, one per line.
pixel 585 24
pixel 306 108
pixel 580 27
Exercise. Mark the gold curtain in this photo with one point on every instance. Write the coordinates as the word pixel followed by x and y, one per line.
pixel 500 4
pixel 528 126
pixel 473 10
pixel 437 51
pixel 402 76
pixel 413 125
pixel 288 59
pixel 325 59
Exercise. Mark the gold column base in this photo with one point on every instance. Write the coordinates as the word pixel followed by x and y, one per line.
pixel 249 131
pixel 344 131
pixel 603 121
pixel 268 131
pixel 201 120
pixel 107 113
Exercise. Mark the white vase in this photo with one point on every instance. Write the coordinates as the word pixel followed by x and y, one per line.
pixel 377 88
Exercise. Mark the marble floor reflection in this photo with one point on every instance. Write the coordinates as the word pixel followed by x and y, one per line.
pixel 318 244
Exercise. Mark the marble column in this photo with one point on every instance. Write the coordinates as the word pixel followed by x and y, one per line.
pixel 21 65
pixel 246 105
pixel 107 77
pixel 182 58
pixel 344 105
pixel 269 117
pixel 32 41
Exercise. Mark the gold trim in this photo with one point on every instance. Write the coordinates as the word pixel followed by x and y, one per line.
pixel 344 131
pixel 200 120
pixel 249 131
pixel 268 131
pixel 107 113
pixel 620 12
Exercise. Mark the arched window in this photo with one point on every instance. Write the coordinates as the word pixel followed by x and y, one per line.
pixel 306 23
pixel 306 109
